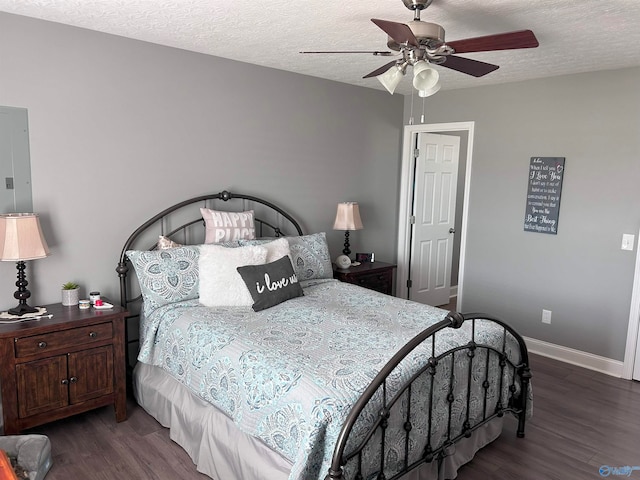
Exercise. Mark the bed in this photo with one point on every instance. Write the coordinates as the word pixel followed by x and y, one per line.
pixel 327 381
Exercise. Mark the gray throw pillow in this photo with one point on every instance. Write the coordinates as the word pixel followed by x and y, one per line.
pixel 271 283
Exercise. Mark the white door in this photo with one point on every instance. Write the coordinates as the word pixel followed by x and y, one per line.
pixel 434 208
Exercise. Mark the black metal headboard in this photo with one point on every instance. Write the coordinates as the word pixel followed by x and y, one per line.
pixel 185 225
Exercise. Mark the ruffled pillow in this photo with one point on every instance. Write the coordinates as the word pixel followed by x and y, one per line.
pixel 165 242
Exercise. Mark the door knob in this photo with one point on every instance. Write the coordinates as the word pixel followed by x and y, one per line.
pixel 452 230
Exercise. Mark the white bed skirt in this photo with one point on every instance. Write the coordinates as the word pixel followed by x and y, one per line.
pixel 213 441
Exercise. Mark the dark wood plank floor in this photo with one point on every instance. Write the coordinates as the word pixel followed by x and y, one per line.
pixel 582 420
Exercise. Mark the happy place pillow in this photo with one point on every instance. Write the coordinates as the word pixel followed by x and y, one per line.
pixel 271 283
pixel 220 283
pixel 227 226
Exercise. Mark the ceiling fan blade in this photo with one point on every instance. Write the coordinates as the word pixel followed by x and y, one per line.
pixel 468 66
pixel 381 70
pixel 500 41
pixel 400 32
pixel 378 54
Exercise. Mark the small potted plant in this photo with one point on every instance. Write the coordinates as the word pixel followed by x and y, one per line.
pixel 70 294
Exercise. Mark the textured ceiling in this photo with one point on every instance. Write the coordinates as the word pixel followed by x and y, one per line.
pixel 574 35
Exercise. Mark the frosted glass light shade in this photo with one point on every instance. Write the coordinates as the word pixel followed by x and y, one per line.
pixel 425 78
pixel 430 91
pixel 21 237
pixel 391 78
pixel 348 217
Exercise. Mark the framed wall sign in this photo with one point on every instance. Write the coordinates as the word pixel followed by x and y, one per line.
pixel 543 194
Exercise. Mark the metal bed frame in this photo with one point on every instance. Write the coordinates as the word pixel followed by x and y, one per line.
pixel 516 401
pixel 515 393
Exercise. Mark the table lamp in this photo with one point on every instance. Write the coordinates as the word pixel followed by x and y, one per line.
pixel 347 218
pixel 21 239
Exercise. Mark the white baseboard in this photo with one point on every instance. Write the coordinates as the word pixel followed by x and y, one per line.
pixel 453 292
pixel 575 357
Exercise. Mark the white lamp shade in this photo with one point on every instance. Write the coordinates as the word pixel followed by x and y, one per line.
pixel 21 237
pixel 391 78
pixel 425 78
pixel 430 91
pixel 348 217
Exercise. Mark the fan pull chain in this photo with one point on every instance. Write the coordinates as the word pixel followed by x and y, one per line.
pixel 422 116
pixel 411 114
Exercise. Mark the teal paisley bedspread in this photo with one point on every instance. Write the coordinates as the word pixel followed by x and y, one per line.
pixel 290 374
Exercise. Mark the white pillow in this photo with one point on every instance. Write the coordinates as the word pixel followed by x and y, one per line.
pixel 277 249
pixel 220 283
pixel 227 226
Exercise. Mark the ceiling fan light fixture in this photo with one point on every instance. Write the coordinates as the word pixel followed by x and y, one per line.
pixel 425 78
pixel 391 78
pixel 430 91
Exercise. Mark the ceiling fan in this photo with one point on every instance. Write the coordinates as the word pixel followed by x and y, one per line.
pixel 420 44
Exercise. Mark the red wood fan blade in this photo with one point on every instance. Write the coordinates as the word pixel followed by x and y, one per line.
pixel 381 70
pixel 400 32
pixel 469 66
pixel 500 41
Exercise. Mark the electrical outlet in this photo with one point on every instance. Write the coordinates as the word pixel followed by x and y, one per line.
pixel 627 241
pixel 546 316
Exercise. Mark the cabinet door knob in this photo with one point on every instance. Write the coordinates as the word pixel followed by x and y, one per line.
pixel 93 334
pixel 42 344
pixel 65 381
pixel 73 379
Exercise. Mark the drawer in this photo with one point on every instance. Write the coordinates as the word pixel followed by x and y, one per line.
pixel 64 339
pixel 380 281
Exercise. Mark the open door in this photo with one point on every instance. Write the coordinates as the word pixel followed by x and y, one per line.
pixel 433 218
pixel 465 131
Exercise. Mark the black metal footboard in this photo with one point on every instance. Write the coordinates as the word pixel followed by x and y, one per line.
pixel 394 428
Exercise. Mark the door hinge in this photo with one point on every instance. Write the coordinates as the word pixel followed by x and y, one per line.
pixel 412 220
pixel 416 153
pixel 409 283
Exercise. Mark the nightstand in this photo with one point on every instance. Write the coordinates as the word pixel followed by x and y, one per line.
pixel 61 366
pixel 373 275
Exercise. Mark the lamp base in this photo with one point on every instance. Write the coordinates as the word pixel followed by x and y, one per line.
pixel 21 309
pixel 346 250
pixel 22 294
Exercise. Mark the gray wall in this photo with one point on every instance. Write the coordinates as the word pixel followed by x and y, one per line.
pixel 581 274
pixel 120 129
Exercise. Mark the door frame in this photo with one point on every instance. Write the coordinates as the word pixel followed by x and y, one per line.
pixel 406 194
pixel 633 330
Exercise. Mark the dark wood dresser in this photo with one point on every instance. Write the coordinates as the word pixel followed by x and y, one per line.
pixel 373 275
pixel 57 367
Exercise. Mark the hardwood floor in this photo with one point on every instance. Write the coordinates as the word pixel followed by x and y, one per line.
pixel 451 306
pixel 582 420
